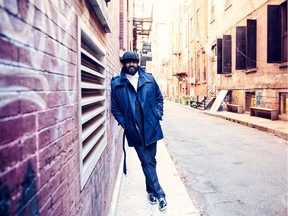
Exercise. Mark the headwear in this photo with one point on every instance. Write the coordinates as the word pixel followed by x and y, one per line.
pixel 129 56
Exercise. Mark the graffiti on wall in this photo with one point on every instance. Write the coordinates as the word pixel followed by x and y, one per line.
pixel 23 33
pixel 259 98
pixel 29 192
pixel 27 81
pixel 4 199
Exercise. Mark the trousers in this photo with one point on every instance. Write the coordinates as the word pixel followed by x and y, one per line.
pixel 146 155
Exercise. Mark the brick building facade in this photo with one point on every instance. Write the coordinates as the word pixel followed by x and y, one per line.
pixel 60 148
pixel 235 46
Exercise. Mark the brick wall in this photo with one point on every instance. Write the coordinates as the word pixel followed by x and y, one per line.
pixel 39 124
pixel 267 80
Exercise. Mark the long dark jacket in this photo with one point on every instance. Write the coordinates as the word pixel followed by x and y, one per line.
pixel 123 97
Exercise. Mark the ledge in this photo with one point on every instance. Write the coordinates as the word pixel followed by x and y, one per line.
pixel 252 70
pixel 283 65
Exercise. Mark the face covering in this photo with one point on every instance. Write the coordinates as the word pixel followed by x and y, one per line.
pixel 131 70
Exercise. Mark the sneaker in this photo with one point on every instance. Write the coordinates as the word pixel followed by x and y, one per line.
pixel 151 199
pixel 162 203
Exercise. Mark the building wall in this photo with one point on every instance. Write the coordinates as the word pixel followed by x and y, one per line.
pixel 126 20
pixel 265 85
pixel 266 80
pixel 39 109
pixel 190 29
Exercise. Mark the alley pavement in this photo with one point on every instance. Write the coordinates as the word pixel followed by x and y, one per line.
pixel 130 197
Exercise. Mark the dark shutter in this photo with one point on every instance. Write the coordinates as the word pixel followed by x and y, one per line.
pixel 251 48
pixel 219 56
pixel 226 54
pixel 240 47
pixel 274 34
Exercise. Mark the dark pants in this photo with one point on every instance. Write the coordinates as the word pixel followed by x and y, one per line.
pixel 147 156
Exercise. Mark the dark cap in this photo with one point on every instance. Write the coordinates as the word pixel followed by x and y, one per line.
pixel 129 56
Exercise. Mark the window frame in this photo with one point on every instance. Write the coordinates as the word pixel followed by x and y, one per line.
pixel 273 34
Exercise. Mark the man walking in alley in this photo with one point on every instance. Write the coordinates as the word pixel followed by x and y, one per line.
pixel 137 105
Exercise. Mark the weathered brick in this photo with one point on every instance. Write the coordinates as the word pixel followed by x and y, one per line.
pixel 22 184
pixel 17 28
pixel 9 156
pixel 59 192
pixel 48 154
pixel 56 99
pixel 23 8
pixel 44 177
pixel 49 171
pixel 11 6
pixel 25 57
pixel 56 165
pixel 68 199
pixel 57 209
pixel 20 82
pixel 45 209
pixel 54 182
pixel 41 72
pixel 15 128
pixel 67 168
pixel 9 52
pixel 75 172
pixel 44 137
pixel 50 46
pixel 29 106
pixel 28 147
pixel 47 136
pixel 52 11
pixel 38 41
pixel 11 106
pixel 71 69
pixel 47 118
pixel 29 208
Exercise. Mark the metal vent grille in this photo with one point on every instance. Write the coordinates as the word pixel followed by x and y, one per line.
pixel 92 111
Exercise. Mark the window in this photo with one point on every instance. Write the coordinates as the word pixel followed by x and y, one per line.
pixel 92 106
pixel 226 54
pixel 224 59
pixel 219 55
pixel 197 75
pixel 246 45
pixel 277 33
pixel 204 66
pixel 240 47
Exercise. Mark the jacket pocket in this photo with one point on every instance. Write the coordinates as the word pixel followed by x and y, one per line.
pixel 157 114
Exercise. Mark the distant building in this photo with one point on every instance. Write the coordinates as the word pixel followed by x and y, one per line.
pixel 60 147
pixel 236 46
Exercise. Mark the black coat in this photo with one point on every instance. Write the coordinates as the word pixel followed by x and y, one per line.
pixel 123 97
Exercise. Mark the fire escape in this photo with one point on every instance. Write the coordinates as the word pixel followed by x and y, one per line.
pixel 142 24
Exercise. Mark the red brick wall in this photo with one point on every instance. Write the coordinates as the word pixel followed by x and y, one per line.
pixel 39 139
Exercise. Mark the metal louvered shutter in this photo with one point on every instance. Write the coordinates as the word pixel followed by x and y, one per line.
pixel 92 111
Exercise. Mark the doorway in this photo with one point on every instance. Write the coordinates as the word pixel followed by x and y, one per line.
pixel 250 100
pixel 283 108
